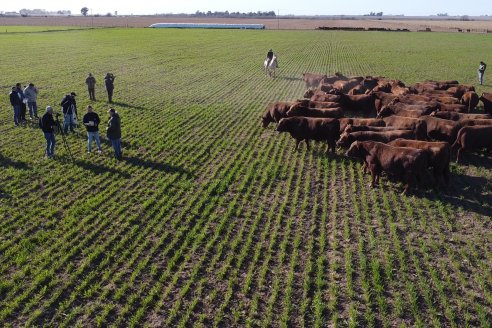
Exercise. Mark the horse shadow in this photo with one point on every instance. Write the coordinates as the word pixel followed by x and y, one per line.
pixel 7 162
pixel 162 167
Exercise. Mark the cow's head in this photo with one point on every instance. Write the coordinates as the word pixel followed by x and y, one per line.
pixel 356 150
pixel 309 93
pixel 344 142
pixel 384 112
pixel 283 125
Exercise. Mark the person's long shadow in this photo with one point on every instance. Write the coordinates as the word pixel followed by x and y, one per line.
pixel 125 105
pixel 7 162
pixel 163 167
pixel 100 169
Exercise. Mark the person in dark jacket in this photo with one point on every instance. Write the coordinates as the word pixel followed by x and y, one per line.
pixel 69 108
pixel 113 132
pixel 109 83
pixel 47 123
pixel 16 103
pixel 23 99
pixel 91 121
pixel 270 57
pixel 481 70
pixel 91 86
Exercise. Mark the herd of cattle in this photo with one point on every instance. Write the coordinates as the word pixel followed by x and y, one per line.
pixel 401 130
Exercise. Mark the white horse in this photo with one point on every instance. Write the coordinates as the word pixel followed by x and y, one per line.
pixel 270 67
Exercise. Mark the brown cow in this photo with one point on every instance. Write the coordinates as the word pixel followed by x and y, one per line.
pixel 325 97
pixel 415 124
pixel 294 110
pixel 458 108
pixel 333 78
pixel 359 121
pixel 486 99
pixel 354 128
pixel 275 112
pixel 459 116
pixel 309 128
pixel 382 99
pixel 346 139
pixel 313 80
pixel 439 155
pixel 470 99
pixel 441 129
pixel 473 138
pixel 398 108
pixel 459 90
pixel 364 104
pixel 474 121
pixel 405 163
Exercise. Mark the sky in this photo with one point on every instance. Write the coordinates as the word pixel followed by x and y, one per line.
pixel 282 7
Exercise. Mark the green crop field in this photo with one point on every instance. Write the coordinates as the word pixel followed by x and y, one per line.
pixel 211 220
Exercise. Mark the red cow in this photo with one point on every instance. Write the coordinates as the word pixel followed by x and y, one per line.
pixel 439 155
pixel 309 128
pixel 346 139
pixel 405 163
pixel 473 138
pixel 459 116
pixel 415 124
pixel 275 112
pixel 470 99
pixel 313 80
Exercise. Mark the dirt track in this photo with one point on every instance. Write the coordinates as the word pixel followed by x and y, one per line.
pixel 476 26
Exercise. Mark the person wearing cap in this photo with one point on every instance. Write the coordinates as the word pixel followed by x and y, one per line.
pixel 91 86
pixel 109 83
pixel 113 132
pixel 91 121
pixel 481 70
pixel 31 94
pixel 46 124
pixel 69 108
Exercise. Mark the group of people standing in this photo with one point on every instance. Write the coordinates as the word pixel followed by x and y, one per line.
pixel 108 83
pixel 21 99
pixel 91 122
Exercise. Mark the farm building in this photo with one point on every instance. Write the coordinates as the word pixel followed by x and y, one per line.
pixel 210 25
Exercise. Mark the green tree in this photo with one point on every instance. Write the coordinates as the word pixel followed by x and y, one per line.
pixel 84 11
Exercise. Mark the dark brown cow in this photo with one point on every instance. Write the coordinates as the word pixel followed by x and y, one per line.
pixel 439 155
pixel 345 86
pixel 275 112
pixel 333 78
pixel 326 97
pixel 405 163
pixel 382 99
pixel 357 90
pixel 354 128
pixel 359 103
pixel 359 121
pixel 459 116
pixel 402 109
pixel 448 100
pixel 458 108
pixel 441 129
pixel 336 112
pixel 470 99
pixel 415 124
pixel 459 90
pixel 473 138
pixel 309 128
pixel 324 104
pixel 312 80
pixel 346 139
pixel 486 99
pixel 475 121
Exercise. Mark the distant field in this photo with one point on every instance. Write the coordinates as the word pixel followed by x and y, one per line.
pixel 25 29
pixel 211 220
pixel 476 25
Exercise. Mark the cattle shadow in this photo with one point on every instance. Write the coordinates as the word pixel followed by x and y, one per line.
pixel 6 162
pixel 162 167
pixel 100 169
pixel 482 159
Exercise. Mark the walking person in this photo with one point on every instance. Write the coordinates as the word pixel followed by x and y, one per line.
pixel 16 103
pixel 46 124
pixel 69 108
pixel 91 121
pixel 113 132
pixel 481 70
pixel 91 86
pixel 109 83
pixel 31 94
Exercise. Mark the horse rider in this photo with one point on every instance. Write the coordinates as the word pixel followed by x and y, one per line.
pixel 270 57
